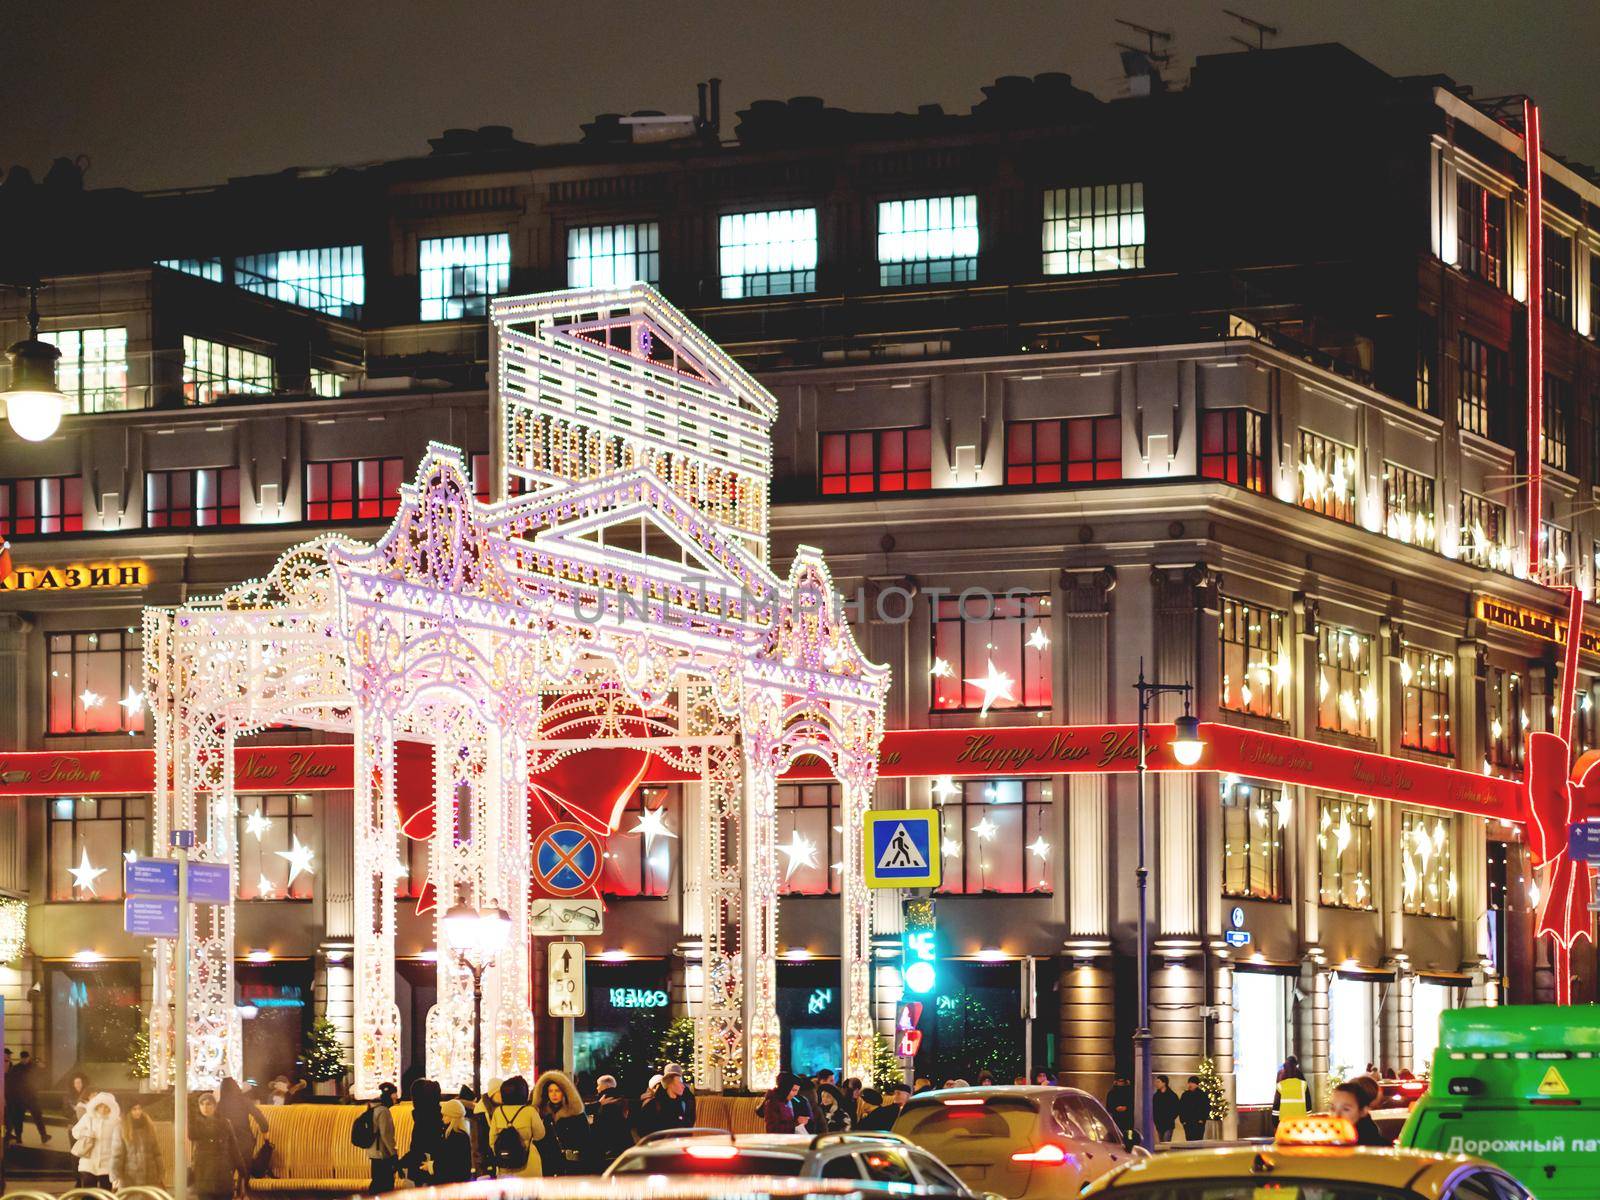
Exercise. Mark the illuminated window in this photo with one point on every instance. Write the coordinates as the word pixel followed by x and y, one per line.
pixel 614 255
pixel 1481 387
pixel 30 506
pixel 1232 448
pixel 1408 508
pixel 1261 1005
pixel 877 460
pixel 1427 863
pixel 212 369
pixel 457 275
pixel 330 279
pixel 1483 533
pixel 1508 718
pixel 641 855
pixel 1006 642
pixel 769 253
pixel 1255 668
pixel 413 867
pixel 1427 365
pixel 93 371
pixel 191 499
pixel 1556 414
pixel 996 838
pixel 327 383
pixel 1327 476
pixel 91 676
pixel 1558 278
pixel 1078 450
pixel 1428 680
pixel 1347 701
pixel 97 831
pixel 353 489
pixel 1098 228
pixel 1480 232
pixel 1253 819
pixel 200 268
pixel 1429 1002
pixel 933 240
pixel 1594 295
pixel 482 476
pixel 1344 852
pixel 1555 552
pixel 809 839
pixel 269 828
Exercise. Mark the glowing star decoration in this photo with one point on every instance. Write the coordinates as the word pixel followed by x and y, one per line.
pixel 801 852
pixel 89 699
pixel 299 859
pixel 944 788
pixel 652 824
pixel 1040 847
pixel 130 856
pixel 940 669
pixel 995 685
pixel 264 888
pixel 85 873
pixel 986 829
pixel 133 702
pixel 1039 639
pixel 257 823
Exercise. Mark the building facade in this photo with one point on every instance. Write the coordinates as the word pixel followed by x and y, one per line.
pixel 1068 388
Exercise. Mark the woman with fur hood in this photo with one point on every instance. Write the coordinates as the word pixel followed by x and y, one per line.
pixel 567 1145
pixel 95 1139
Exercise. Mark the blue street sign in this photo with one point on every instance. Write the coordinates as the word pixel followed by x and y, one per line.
pixel 183 839
pixel 145 916
pixel 210 883
pixel 1583 841
pixel 901 848
pixel 150 877
pixel 1237 937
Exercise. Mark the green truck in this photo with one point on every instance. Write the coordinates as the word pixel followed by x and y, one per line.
pixel 1519 1086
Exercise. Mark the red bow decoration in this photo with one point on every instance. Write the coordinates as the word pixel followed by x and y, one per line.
pixel 1555 799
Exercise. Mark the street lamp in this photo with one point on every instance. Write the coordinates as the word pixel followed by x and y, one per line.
pixel 1186 748
pixel 34 402
pixel 477 936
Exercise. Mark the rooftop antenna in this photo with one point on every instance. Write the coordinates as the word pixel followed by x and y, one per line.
pixel 1263 30
pixel 1163 57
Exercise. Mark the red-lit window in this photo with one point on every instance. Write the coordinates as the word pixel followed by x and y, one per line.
pixel 96 682
pixel 999 649
pixel 641 854
pixel 809 839
pixel 996 838
pixel 93 832
pixel 197 498
pixel 353 489
pixel 480 476
pixel 414 855
pixel 1231 448
pixel 274 831
pixel 1079 450
pixel 52 505
pixel 877 460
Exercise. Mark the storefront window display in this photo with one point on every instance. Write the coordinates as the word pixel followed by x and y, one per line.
pixel 94 1013
pixel 1352 1024
pixel 974 1025
pixel 275 1007
pixel 1429 1001
pixel 808 1009
pixel 1261 1028
pixel 629 1008
pixel 642 853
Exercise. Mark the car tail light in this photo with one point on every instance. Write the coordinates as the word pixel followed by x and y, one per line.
pixel 964 1102
pixel 1049 1154
pixel 716 1151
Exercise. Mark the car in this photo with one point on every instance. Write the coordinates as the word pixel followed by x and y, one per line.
pixel 1312 1158
pixel 1017 1142
pixel 691 1187
pixel 876 1157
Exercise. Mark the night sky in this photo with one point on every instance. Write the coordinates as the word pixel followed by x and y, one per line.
pixel 187 92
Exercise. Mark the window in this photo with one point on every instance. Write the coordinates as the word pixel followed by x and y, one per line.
pixel 353 489
pixel 1427 364
pixel 1558 278
pixel 482 477
pixel 1327 476
pixel 1232 448
pixel 1260 1005
pixel 212 369
pixel 200 268
pixel 1594 295
pixel 933 240
pixel 276 847
pixel 1347 701
pixel 768 253
pixel 1352 1027
pixel 1481 383
pixel 995 837
pixel 1427 863
pixel 1097 228
pixel 1253 819
pixel 809 839
pixel 96 682
pixel 1344 852
pixel 877 460
pixel 1480 232
pixel 194 498
pixel 1555 551
pixel 640 856
pixel 1408 512
pixel 327 383
pixel 457 275
pixel 993 655
pixel 1557 416
pixel 1254 666
pixel 1079 450
pixel 413 868
pixel 614 255
pixel 1427 679
pixel 93 371
pixel 89 839
pixel 1429 1001
pixel 29 506
pixel 1508 718
pixel 330 279
pixel 1483 533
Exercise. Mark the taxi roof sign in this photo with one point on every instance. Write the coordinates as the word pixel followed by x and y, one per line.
pixel 901 847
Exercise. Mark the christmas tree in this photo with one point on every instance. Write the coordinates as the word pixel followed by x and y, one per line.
pixel 888 1068
pixel 323 1056
pixel 1211 1085
pixel 139 1055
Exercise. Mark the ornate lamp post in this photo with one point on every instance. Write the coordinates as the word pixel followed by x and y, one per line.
pixel 477 936
pixel 34 403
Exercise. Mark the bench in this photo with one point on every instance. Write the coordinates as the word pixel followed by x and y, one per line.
pixel 736 1114
pixel 311 1150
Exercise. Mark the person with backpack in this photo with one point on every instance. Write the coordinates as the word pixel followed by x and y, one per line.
pixel 514 1130
pixel 427 1133
pixel 567 1146
pixel 373 1133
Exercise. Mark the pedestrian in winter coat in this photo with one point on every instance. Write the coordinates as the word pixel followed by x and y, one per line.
pixel 516 1112
pixel 832 1117
pixel 427 1133
pixel 608 1121
pixel 77 1096
pixel 214 1153
pixel 453 1162
pixel 1164 1104
pixel 243 1115
pixel 882 1119
pixel 1119 1101
pixel 1194 1110
pixel 383 1156
pixel 777 1106
pixel 669 1106
pixel 566 1148
pixel 139 1162
pixel 95 1138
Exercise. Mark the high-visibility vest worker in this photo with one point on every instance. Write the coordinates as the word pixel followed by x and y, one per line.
pixel 1291 1098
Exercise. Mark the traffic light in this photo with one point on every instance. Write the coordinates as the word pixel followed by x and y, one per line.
pixel 919 952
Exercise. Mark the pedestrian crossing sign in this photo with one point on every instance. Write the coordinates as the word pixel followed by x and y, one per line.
pixel 901 848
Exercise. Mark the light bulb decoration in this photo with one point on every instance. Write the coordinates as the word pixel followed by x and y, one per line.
pixel 34 403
